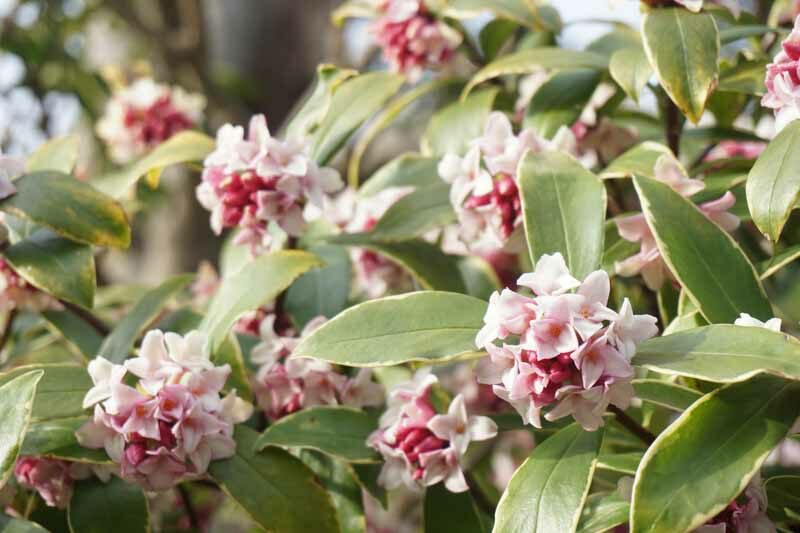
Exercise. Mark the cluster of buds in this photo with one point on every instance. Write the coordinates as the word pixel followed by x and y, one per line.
pixel 783 80
pixel 648 261
pixel 743 149
pixel 16 293
pixel 484 191
pixel 53 479
pixel 285 384
pixel 256 180
pixel 420 446
pixel 573 353
pixel 413 39
pixel 144 114
pixel 173 423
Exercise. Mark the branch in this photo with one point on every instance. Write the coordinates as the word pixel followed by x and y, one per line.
pixel 98 325
pixel 674 125
pixel 632 425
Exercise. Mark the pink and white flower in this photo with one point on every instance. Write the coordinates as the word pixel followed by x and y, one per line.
pixel 635 228
pixel 254 181
pixel 783 80
pixel 285 384
pixel 572 353
pixel 53 479
pixel 412 39
pixel 773 324
pixel 173 423
pixel 144 114
pixel 484 185
pixel 747 515
pixel 422 447
pixel 10 168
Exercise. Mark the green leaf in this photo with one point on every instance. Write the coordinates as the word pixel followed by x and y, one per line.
pixel 56 439
pixel 408 169
pixel 416 213
pixel 353 9
pixel 708 263
pixel 494 36
pixel 451 511
pixel 603 512
pixel 453 127
pixel 276 489
pixel 117 346
pixel 96 507
pixel 560 100
pixel 16 404
pixel 353 102
pixel 746 77
pixel 60 392
pixel 323 291
pixel 783 492
pixel 547 492
pixel 683 48
pixel 420 326
pixel 256 284
pixel 55 265
pixel 343 486
pixel 722 353
pixel 638 161
pixel 184 147
pixel 773 184
pixel 665 394
pixel 430 266
pixel 698 465
pixel 75 331
pixel 564 208
pixel 616 248
pixel 734 33
pixel 335 430
pixel 59 155
pixel 17 525
pixel 479 277
pixel 531 60
pixel 316 106
pixel 631 70
pixel 623 463
pixel 778 261
pixel 72 208
pixel 230 352
pixel 520 11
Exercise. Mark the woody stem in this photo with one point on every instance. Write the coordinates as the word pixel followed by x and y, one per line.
pixel 632 425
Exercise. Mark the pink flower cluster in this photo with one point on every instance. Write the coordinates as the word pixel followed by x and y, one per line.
pixel 783 80
pixel 421 447
pixel 256 180
pixel 16 293
pixel 412 39
pixel 484 182
pixel 749 515
pixel 143 115
pixel 53 479
pixel 572 354
pixel 173 423
pixel 285 384
pixel 648 261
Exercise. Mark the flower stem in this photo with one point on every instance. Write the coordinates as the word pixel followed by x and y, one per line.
pixel 673 125
pixel 187 504
pixel 632 425
pixel 88 317
pixel 7 328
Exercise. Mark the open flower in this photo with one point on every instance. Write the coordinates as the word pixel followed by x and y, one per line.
pixel 773 324
pixel 254 181
pixel 648 262
pixel 573 353
pixel 484 187
pixel 144 114
pixel 412 39
pixel 174 422
pixel 783 80
pixel 422 447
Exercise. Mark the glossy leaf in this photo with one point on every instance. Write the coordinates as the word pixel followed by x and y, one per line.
pixel 623 463
pixel 520 11
pixel 343 486
pixel 230 353
pixel 479 277
pixel 96 507
pixel 746 77
pixel 451 511
pixel 315 107
pixel 56 439
pixel 18 525
pixel 547 492
pixel 665 394
pixel 184 147
pixel 708 263
pixel 564 209
pixel 117 346
pixel 416 213
pixel 256 284
pixel 60 391
pixel 353 102
pixel 75 331
pixel 55 265
pixel 722 353
pixel 60 155
pixel 638 161
pixel 335 430
pixel 276 489
pixel 603 512
pixel 494 36
pixel 71 208
pixel 353 9
pixel 773 185
pixel 560 100
pixel 420 326
pixel 683 48
pixel 531 60
pixel 706 457
pixel 405 170
pixel 783 495
pixel 778 261
pixel 631 70
pixel 16 404
pixel 323 291
pixel 453 127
